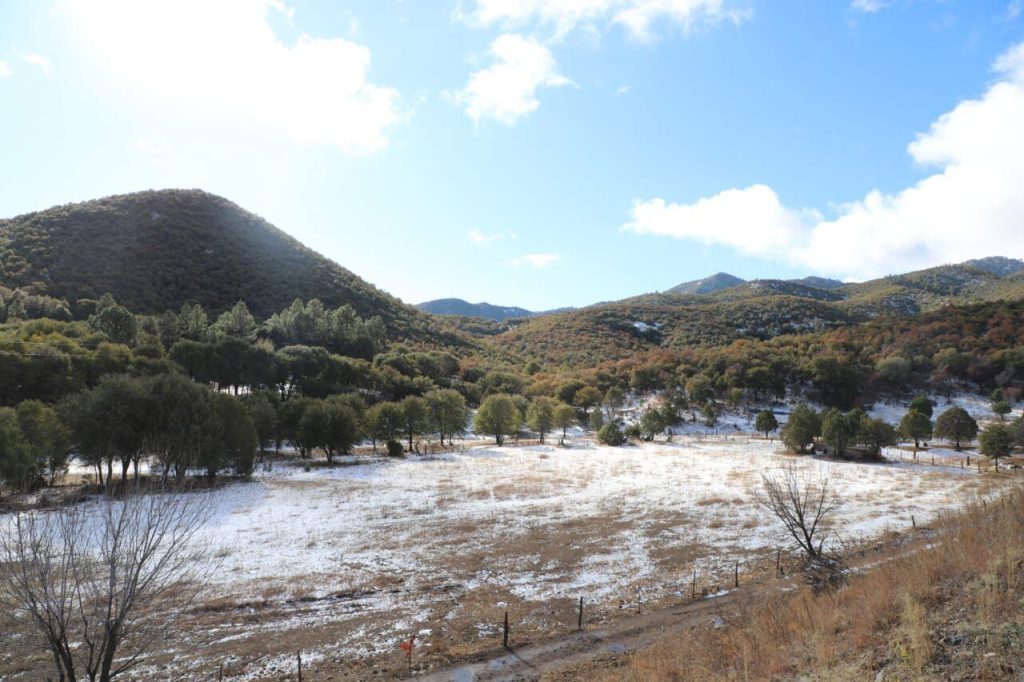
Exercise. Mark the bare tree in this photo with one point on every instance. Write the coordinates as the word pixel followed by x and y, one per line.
pixel 802 502
pixel 96 584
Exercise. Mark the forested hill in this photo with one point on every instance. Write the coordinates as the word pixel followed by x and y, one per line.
pixel 484 311
pixel 761 309
pixel 156 250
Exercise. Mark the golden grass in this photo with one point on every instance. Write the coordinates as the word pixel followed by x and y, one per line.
pixel 968 577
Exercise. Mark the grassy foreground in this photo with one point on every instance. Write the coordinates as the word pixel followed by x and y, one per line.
pixel 949 608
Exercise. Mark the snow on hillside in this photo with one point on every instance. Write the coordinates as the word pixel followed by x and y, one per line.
pixel 977 406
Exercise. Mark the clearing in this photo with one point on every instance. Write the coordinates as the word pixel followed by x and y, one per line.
pixel 345 563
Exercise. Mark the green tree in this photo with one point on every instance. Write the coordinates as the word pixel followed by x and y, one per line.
pixel 192 357
pixel 877 434
pixel 802 427
pixel 893 373
pixel 957 425
pixel 330 426
pixel 193 323
pixel 611 434
pixel 384 422
pixel 108 423
pixel 541 415
pixel 229 439
pixel 447 412
pixel 614 399
pixel 415 417
pixel 237 322
pixel 289 418
pixel 996 442
pixel 567 392
pixel 766 422
pixel 838 430
pixel 114 320
pixel 710 412
pixel 587 398
pixel 263 408
pixel 651 424
pixel 564 416
pixel 1018 431
pixel 1001 408
pixel 915 426
pixel 46 438
pixel 498 415
pixel 176 423
pixel 922 404
pixel 596 420
pixel 836 379
pixel 17 465
pixel 700 389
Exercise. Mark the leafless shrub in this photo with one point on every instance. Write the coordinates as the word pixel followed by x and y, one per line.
pixel 96 584
pixel 803 503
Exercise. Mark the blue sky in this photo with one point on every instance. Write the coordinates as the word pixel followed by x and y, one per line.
pixel 540 153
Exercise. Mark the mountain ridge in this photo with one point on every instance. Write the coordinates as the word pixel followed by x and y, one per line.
pixel 159 249
pixel 482 310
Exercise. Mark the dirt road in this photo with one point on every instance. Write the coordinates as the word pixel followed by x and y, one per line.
pixel 523 664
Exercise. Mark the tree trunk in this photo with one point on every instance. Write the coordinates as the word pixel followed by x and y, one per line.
pixel 107 662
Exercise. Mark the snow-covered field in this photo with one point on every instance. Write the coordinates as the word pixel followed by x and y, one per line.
pixel 440 546
pixel 346 562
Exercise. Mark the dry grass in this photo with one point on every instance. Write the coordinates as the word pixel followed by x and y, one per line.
pixel 948 609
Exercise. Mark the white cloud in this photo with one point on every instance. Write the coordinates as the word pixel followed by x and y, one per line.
pixel 868 6
pixel 5 69
pixel 970 207
pixel 507 89
pixel 223 59
pixel 37 60
pixel 638 17
pixel 623 90
pixel 536 260
pixel 1014 9
pixel 751 220
pixel 478 237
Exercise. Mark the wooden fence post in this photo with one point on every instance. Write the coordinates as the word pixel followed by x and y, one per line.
pixel 579 623
pixel 504 638
pixel 736 577
pixel 778 562
pixel 693 589
pixel 913 522
pixel 298 657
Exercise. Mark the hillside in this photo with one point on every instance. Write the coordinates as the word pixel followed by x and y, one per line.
pixel 759 309
pixel 156 250
pixel 818 282
pixel 998 265
pixel 707 285
pixel 929 289
pixel 485 311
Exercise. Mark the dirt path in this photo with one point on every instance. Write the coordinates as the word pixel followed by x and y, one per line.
pixel 531 662
pixel 614 639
